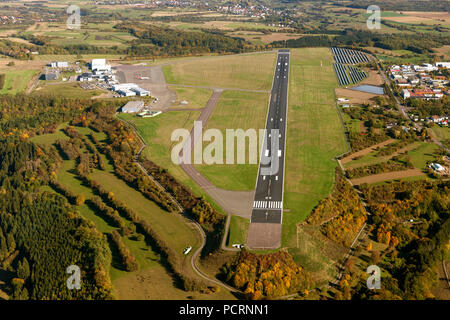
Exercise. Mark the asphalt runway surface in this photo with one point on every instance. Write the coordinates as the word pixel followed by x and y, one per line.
pixel 268 201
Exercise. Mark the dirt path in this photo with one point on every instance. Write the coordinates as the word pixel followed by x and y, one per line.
pixel 366 151
pixel 388 176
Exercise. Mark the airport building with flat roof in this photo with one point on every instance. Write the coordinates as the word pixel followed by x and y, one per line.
pixel 133 107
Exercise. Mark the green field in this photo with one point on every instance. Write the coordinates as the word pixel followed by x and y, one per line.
pixel 314 136
pixel 69 89
pixel 236 110
pixel 425 152
pixel 248 71
pixel 441 133
pixel 50 138
pixel 157 133
pixel 16 80
pixel 373 158
pixel 196 97
pixel 353 125
pixel 238 230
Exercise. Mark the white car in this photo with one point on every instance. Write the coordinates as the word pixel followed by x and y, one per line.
pixel 187 250
pixel 237 245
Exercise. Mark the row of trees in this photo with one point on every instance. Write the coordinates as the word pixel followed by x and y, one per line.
pixel 128 260
pixel 163 41
pixel 2 80
pixel 397 163
pixel 417 42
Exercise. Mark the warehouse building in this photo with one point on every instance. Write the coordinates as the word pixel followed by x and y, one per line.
pixel 100 65
pixel 133 107
pixel 130 89
pixel 59 64
pixel 51 75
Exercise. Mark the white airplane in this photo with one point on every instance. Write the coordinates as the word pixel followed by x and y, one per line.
pixel 187 250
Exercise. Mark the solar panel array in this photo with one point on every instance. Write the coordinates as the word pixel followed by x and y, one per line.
pixel 356 75
pixel 341 72
pixel 347 56
pixel 345 59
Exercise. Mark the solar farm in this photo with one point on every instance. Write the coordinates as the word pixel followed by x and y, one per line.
pixel 347 56
pixel 345 71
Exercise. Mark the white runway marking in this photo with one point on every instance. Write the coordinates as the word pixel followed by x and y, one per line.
pixel 268 204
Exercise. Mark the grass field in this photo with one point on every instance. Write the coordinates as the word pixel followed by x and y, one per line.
pixel 48 139
pixel 373 158
pixel 67 90
pixel 157 132
pixel 441 133
pixel 16 80
pixel 196 97
pixel 353 125
pixel 422 154
pixel 236 110
pixel 314 136
pixel 249 71
pixel 238 230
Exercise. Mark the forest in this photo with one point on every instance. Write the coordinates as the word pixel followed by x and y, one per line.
pixel 41 234
pixel 163 41
pixel 36 211
pixel 266 276
pixel 418 43
pixel 412 220
pixel 341 215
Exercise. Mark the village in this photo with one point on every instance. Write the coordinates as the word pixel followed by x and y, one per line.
pixel 427 81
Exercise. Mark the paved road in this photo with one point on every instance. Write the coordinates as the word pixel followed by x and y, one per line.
pixel 268 201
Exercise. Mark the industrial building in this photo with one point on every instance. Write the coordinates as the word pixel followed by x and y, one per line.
pixel 87 76
pixel 100 65
pixel 59 64
pixel 133 107
pixel 51 75
pixel 130 89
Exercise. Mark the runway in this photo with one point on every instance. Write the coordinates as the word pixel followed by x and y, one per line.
pixel 268 201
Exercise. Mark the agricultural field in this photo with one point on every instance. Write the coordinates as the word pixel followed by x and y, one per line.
pixel 315 136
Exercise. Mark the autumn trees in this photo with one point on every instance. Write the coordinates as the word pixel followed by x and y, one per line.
pixel 266 275
pixel 341 215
